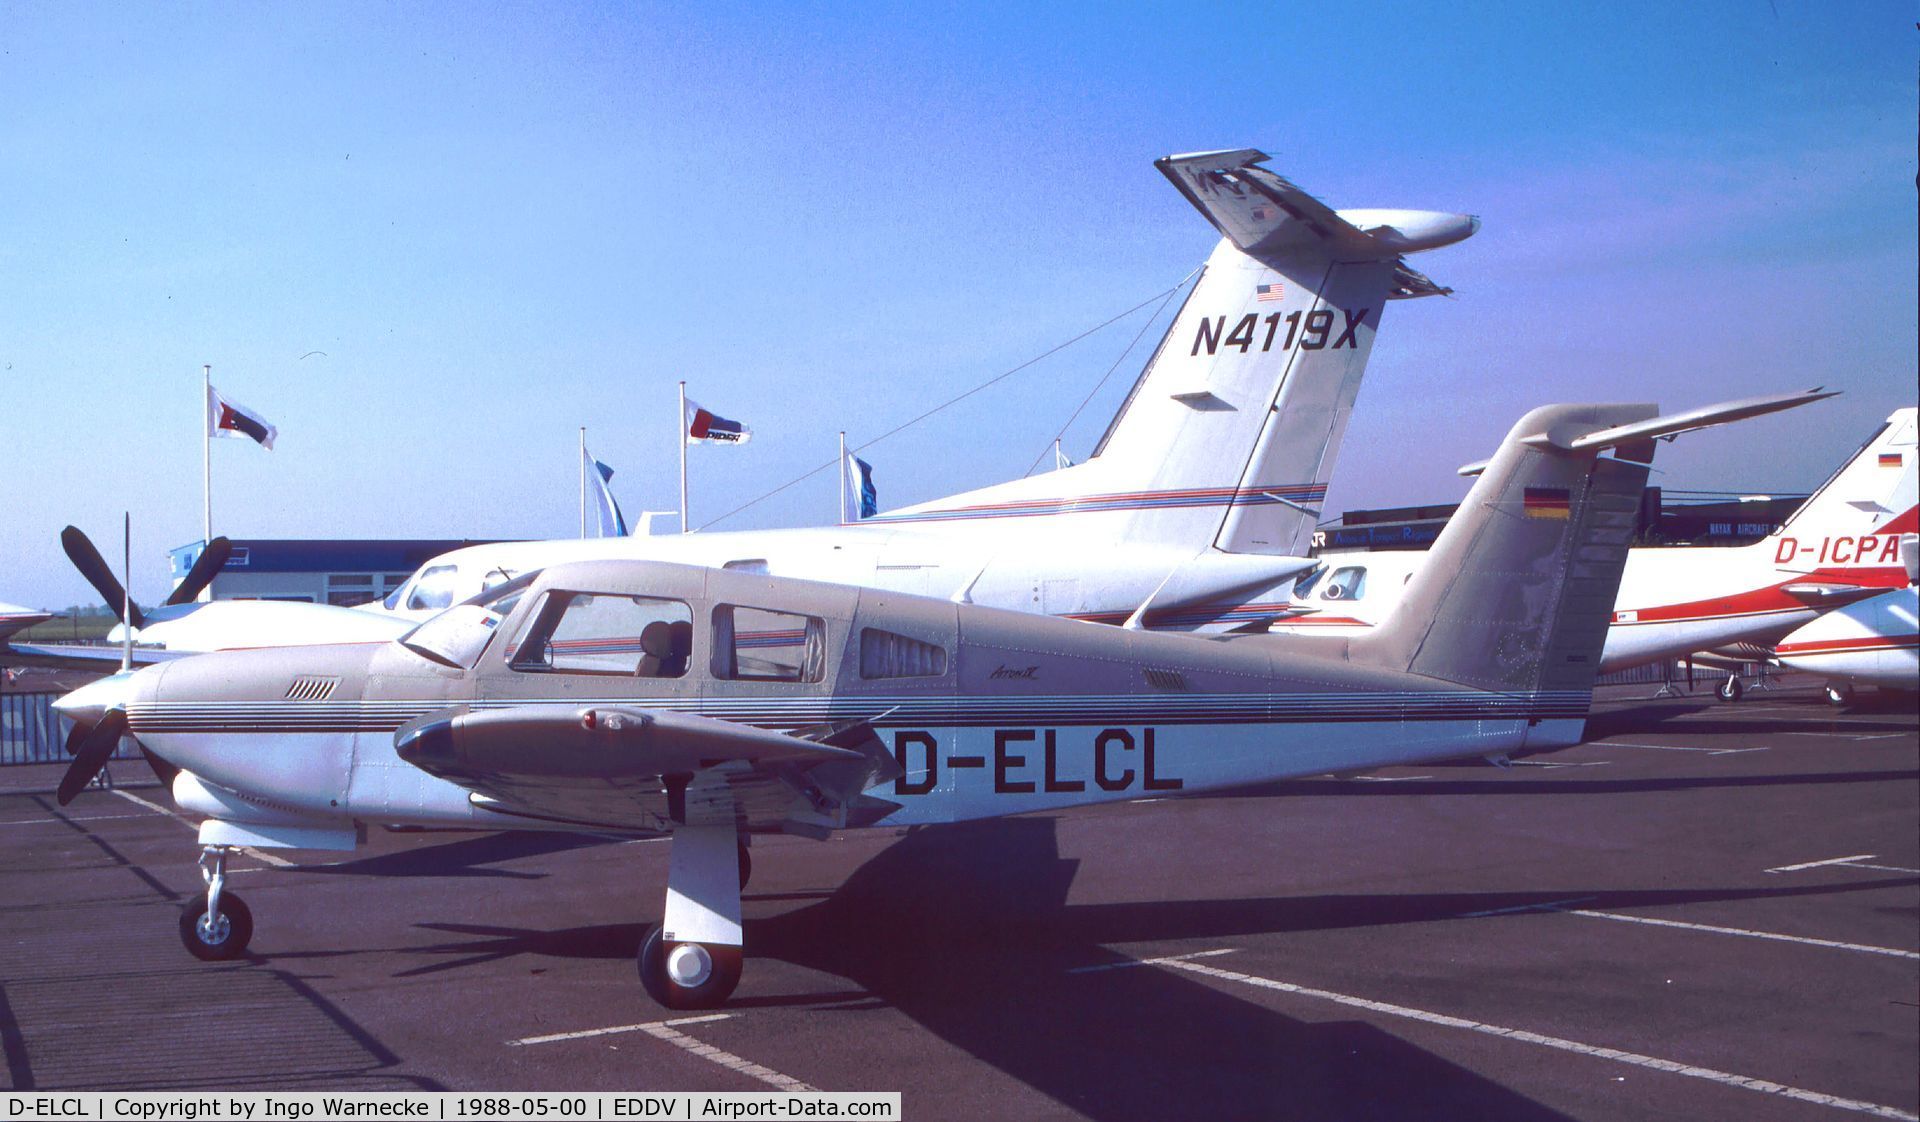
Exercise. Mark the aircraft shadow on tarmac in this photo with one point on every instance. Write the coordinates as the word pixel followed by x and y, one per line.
pixel 966 930
pixel 470 856
pixel 1802 714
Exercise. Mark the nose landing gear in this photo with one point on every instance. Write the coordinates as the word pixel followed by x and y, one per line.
pixel 217 925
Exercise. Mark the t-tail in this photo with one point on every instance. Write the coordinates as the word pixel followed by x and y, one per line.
pixel 1517 592
pixel 1228 438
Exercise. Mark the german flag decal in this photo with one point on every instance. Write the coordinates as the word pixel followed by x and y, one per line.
pixel 1548 502
pixel 1889 459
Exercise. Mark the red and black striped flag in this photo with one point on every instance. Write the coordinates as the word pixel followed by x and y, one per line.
pixel 230 418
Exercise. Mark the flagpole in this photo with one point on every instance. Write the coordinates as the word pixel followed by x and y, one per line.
pixel 680 437
pixel 583 481
pixel 843 477
pixel 206 468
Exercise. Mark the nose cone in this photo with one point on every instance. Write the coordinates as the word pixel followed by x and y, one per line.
pixel 90 702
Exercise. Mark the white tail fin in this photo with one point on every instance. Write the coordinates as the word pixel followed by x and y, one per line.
pixel 1228 438
pixel 1857 516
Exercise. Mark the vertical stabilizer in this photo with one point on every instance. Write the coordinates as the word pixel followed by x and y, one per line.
pixel 1874 493
pixel 1227 439
pixel 1518 590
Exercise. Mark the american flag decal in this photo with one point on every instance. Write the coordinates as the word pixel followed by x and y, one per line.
pixel 1270 292
pixel 1548 502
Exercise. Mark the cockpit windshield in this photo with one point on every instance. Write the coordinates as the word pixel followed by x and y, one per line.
pixel 458 636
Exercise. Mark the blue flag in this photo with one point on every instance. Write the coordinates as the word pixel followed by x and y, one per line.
pixel 862 501
pixel 612 522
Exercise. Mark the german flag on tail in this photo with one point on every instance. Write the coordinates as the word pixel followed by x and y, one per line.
pixel 1548 502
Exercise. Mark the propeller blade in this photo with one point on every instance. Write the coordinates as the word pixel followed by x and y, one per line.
pixel 77 736
pixel 92 566
pixel 93 755
pixel 205 568
pixel 162 770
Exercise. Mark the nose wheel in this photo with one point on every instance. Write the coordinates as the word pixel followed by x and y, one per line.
pixel 216 925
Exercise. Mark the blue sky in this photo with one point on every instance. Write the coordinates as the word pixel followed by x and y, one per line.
pixel 501 224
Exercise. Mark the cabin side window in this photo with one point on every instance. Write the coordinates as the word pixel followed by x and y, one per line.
pixel 605 633
pixel 886 655
pixel 757 645
pixel 1346 584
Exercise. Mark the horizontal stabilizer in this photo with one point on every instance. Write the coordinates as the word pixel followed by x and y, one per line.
pixel 1261 212
pixel 1692 420
pixel 1220 576
pixel 1569 437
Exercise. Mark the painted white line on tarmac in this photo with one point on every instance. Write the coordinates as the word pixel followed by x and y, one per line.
pixel 1745 1082
pixel 257 855
pixel 1131 962
pixel 1544 906
pixel 1557 763
pixel 612 1029
pixel 68 818
pixel 1676 747
pixel 662 1030
pixel 1817 864
pixel 1834 943
pixel 1389 778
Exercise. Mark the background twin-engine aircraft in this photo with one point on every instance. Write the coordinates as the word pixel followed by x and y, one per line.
pixel 642 696
pixel 1206 485
pixel 1847 548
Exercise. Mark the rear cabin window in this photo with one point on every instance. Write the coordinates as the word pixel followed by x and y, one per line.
pixel 757 645
pixel 886 655
pixel 1346 584
pixel 606 633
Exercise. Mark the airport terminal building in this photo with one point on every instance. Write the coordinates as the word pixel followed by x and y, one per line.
pixel 338 571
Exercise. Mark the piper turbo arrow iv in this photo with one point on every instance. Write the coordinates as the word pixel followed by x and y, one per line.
pixel 649 698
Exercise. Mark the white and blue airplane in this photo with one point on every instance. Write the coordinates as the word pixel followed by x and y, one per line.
pixel 1207 484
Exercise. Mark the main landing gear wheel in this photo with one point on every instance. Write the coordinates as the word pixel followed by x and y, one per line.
pixel 226 937
pixel 1839 694
pixel 687 975
pixel 1731 689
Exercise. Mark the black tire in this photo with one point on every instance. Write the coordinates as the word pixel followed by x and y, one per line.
pixel 1731 689
pixel 1839 694
pixel 746 867
pixel 710 994
pixel 216 946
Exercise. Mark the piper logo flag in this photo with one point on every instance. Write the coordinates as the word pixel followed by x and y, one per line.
pixel 230 418
pixel 613 524
pixel 862 501
pixel 707 427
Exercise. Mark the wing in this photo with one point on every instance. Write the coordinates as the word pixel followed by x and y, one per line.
pixel 634 768
pixel 82 656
